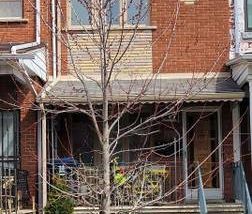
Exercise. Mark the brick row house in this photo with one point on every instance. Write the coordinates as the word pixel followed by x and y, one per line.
pixel 172 79
pixel 24 68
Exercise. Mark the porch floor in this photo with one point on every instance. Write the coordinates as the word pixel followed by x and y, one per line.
pixel 24 211
pixel 214 208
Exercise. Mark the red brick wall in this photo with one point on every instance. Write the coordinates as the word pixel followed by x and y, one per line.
pixel 227 151
pixel 19 32
pixel 22 99
pixel 200 37
pixel 64 23
pixel 24 32
pixel 200 40
pixel 245 142
pixel 28 137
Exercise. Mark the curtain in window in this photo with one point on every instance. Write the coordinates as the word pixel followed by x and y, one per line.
pixel 8 145
pixel 11 9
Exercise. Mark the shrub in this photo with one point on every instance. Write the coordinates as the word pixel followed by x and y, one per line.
pixel 58 202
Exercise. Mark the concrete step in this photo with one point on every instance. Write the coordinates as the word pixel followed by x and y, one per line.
pixel 216 208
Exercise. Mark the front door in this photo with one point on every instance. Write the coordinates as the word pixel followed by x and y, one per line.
pixel 201 146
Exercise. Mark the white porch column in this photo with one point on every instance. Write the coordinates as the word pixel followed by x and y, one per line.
pixel 236 131
pixel 39 143
pixel 44 161
pixel 250 116
pixel 184 137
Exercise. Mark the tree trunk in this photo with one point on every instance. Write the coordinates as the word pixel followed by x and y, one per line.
pixel 106 197
pixel 106 179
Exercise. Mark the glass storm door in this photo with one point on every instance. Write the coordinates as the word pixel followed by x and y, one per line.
pixel 202 131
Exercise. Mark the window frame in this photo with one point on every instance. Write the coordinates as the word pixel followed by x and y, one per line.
pixel 125 18
pixel 14 17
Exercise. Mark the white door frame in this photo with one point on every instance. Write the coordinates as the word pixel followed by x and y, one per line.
pixel 210 193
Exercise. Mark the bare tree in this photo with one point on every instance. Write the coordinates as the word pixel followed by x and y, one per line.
pixel 119 104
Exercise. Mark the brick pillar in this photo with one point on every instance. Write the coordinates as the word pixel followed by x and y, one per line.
pixel 28 138
pixel 227 151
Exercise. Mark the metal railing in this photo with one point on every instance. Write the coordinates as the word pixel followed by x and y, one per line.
pixel 8 190
pixel 241 190
pixel 201 195
pixel 14 192
pixel 131 184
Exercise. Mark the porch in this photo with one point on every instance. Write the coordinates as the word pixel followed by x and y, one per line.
pixel 154 166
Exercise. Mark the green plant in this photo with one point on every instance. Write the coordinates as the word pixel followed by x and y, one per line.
pixel 58 202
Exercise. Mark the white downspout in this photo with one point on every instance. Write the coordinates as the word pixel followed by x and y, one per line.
pixel 15 48
pixel 54 53
pixel 250 116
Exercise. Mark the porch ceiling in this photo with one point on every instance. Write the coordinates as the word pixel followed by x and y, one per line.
pixel 144 90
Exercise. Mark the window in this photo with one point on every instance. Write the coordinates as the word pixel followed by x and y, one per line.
pixel 137 12
pixel 8 139
pixel 11 9
pixel 249 15
pixel 113 13
pixel 79 13
pixel 131 12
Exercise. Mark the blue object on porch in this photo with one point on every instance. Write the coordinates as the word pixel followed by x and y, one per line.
pixel 201 194
pixel 66 161
pixel 241 189
pixel 63 165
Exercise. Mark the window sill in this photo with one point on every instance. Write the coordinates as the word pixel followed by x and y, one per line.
pixel 113 28
pixel 13 20
pixel 247 35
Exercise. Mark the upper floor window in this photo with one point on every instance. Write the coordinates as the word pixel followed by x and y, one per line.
pixel 11 9
pixel 249 15
pixel 118 12
pixel 137 12
pixel 80 14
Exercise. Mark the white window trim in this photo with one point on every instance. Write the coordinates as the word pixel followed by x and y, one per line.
pixel 113 26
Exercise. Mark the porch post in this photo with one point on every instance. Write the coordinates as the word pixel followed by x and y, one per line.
pixel 39 143
pixel 184 137
pixel 236 131
pixel 250 116
pixel 44 161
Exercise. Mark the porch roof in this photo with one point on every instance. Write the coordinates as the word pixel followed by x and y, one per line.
pixel 144 90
